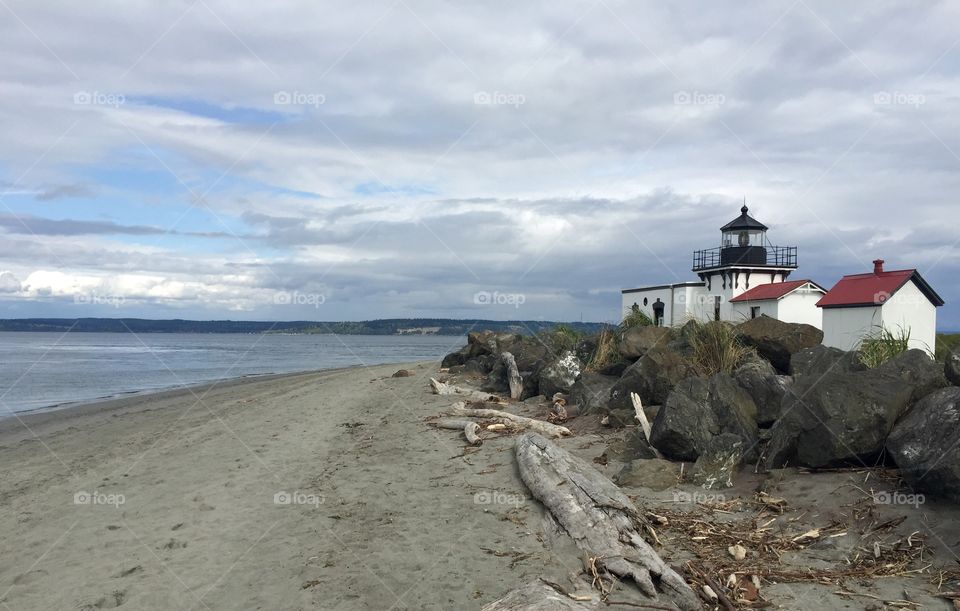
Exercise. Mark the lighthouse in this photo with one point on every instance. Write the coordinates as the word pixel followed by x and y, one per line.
pixel 745 259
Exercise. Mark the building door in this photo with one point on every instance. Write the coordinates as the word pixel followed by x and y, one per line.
pixel 754 311
pixel 716 307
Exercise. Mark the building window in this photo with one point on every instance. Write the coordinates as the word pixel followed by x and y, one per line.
pixel 754 311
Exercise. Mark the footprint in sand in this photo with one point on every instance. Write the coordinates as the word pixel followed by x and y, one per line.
pixel 29 577
pixel 174 544
pixel 110 601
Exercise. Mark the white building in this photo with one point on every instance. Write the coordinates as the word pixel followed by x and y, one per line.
pixel 861 305
pixel 744 260
pixel 791 301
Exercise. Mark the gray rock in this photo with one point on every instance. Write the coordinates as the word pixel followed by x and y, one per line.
pixel 819 360
pixel 925 444
pixel 844 417
pixel 655 474
pixel 765 387
pixel 652 377
pixel 952 367
pixel 718 462
pixel 917 369
pixel 455 358
pixel 697 410
pixel 560 374
pixel 633 446
pixel 591 392
pixel 776 340
pixel 635 342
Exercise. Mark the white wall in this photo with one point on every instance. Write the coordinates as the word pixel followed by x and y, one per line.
pixel 801 307
pixel 843 328
pixel 679 301
pixel 704 311
pixel 741 310
pixel 909 309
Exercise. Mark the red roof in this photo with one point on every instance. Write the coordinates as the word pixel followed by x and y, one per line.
pixel 874 289
pixel 774 290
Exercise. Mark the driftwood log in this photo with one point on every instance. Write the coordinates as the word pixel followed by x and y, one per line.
pixel 442 388
pixel 532 424
pixel 470 428
pixel 600 519
pixel 537 596
pixel 514 380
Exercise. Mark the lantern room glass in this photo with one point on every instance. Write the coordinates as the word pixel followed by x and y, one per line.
pixel 743 237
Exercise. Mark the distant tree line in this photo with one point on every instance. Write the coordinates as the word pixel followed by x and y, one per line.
pixel 390 326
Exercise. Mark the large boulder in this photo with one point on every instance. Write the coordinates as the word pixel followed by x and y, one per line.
pixel 697 410
pixel 480 343
pixel 952 367
pixel 635 342
pixel 819 360
pixel 652 377
pixel 765 387
pixel 591 392
pixel 776 340
pixel 456 358
pixel 560 374
pixel 925 444
pixel 844 417
pixel 633 446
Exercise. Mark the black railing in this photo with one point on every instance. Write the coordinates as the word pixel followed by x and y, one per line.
pixel 752 256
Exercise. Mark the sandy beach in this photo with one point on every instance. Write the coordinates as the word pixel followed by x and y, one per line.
pixel 180 512
pixel 328 490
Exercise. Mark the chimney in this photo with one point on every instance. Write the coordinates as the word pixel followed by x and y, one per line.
pixel 878 266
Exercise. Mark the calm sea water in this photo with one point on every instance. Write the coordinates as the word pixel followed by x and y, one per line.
pixel 41 370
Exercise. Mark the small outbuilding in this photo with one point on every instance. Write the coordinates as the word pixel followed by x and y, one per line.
pixel 862 305
pixel 791 301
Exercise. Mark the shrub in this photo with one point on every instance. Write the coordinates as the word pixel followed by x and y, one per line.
pixel 945 343
pixel 560 338
pixel 716 348
pixel 607 351
pixel 636 318
pixel 882 345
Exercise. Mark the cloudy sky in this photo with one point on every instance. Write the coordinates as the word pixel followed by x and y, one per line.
pixel 350 160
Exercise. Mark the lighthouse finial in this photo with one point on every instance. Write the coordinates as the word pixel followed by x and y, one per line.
pixel 744 209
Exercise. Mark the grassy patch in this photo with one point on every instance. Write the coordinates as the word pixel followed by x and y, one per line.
pixel 560 338
pixel 716 348
pixel 945 343
pixel 882 345
pixel 607 352
pixel 636 318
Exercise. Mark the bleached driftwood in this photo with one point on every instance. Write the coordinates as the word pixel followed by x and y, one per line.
pixel 641 415
pixel 514 380
pixel 442 388
pixel 600 519
pixel 470 428
pixel 537 596
pixel 532 424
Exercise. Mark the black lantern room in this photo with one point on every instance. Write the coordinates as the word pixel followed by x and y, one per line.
pixel 744 244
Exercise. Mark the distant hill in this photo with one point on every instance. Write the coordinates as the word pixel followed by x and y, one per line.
pixel 391 326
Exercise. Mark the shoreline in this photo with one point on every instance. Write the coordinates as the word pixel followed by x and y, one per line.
pixel 120 400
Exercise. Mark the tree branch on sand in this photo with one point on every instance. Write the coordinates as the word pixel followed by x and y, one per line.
pixel 600 519
pixel 532 424
pixel 470 428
